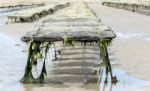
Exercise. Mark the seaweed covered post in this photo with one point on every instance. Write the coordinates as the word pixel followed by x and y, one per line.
pixel 37 51
pixel 28 77
pixel 103 43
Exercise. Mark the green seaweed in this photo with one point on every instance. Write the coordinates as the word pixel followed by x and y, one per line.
pixel 68 41
pixel 37 51
pixel 103 43
pixel 28 77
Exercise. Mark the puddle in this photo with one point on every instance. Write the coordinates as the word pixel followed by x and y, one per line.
pixel 11 62
pixel 3 21
pixel 125 82
pixel 13 69
pixel 130 35
pixel 7 13
pixel 148 39
pixel 135 35
pixel 3 17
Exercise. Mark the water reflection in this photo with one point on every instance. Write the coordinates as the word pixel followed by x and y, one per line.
pixel 3 17
pixel 104 81
pixel 125 82
pixel 128 35
pixel 42 87
pixel 135 35
pixel 12 69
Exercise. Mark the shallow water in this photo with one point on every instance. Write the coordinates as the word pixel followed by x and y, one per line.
pixel 13 61
pixel 135 35
pixel 13 68
pixel 3 17
pixel 125 82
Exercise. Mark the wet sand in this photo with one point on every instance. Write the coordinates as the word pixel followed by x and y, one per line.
pixel 131 47
pixel 10 35
pixel 130 52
